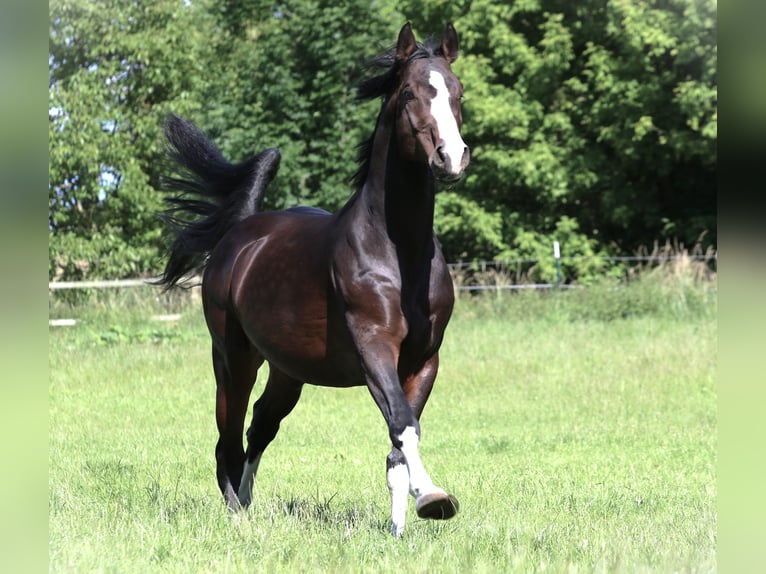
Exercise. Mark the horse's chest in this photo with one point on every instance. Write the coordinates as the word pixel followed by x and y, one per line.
pixel 420 337
pixel 426 313
pixel 424 332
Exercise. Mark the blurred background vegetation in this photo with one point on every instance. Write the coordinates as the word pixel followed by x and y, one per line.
pixel 592 123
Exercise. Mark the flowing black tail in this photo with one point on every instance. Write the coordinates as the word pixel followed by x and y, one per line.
pixel 213 195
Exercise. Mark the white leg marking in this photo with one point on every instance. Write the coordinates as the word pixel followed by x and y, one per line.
pixel 398 479
pixel 454 146
pixel 245 493
pixel 420 482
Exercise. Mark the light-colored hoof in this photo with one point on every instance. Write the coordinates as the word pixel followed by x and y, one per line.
pixel 437 506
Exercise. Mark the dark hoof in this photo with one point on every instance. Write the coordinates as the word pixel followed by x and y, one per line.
pixel 437 506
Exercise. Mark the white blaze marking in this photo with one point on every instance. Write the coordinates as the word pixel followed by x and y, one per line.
pixel 398 479
pixel 454 146
pixel 245 493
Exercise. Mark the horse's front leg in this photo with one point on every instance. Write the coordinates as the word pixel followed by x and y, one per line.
pixel 417 388
pixel 379 359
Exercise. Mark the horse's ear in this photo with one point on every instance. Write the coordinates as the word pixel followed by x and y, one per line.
pixel 406 43
pixel 449 46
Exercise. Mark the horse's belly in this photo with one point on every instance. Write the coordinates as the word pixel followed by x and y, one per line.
pixel 305 345
pixel 336 370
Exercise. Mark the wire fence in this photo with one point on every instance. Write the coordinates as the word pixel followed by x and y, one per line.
pixel 100 284
pixel 476 270
pixel 621 258
pixel 515 274
pixel 68 298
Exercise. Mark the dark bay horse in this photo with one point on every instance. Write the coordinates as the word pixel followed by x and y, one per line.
pixel 359 297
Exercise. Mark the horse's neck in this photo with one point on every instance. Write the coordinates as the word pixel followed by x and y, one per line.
pixel 400 197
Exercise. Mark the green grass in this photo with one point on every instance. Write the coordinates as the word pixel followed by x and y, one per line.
pixel 577 431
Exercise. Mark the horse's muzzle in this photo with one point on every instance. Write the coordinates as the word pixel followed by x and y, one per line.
pixel 444 169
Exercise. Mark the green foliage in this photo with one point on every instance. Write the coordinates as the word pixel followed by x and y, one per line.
pixel 604 113
pixel 466 230
pixel 288 81
pixel 116 69
pixel 583 260
pixel 593 123
pixel 101 254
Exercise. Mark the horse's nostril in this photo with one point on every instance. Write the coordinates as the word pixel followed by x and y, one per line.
pixel 440 154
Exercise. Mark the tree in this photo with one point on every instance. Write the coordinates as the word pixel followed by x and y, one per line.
pixel 290 83
pixel 594 117
pixel 116 68
pixel 252 75
pixel 593 123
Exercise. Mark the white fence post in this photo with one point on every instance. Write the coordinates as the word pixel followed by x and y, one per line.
pixel 557 256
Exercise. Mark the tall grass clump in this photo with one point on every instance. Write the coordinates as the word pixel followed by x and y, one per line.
pixel 674 282
pixel 120 302
pixel 111 317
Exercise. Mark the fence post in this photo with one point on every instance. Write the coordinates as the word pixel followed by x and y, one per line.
pixel 557 256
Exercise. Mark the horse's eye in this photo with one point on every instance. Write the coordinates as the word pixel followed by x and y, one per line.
pixel 407 96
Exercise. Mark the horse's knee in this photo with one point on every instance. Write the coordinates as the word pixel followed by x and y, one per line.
pixel 397 475
pixel 401 428
pixel 395 458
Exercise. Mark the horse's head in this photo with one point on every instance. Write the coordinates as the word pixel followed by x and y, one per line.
pixel 426 104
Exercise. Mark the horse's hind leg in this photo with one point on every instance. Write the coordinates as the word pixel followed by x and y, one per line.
pixel 235 370
pixel 278 399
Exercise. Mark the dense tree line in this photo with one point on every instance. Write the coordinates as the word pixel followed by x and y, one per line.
pixel 591 122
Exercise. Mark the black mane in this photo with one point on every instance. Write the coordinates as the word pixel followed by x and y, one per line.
pixel 381 86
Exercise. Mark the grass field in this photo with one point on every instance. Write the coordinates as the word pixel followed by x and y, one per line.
pixel 578 431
